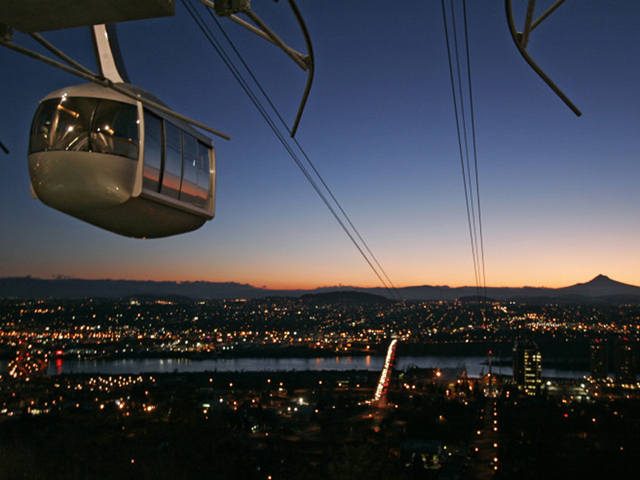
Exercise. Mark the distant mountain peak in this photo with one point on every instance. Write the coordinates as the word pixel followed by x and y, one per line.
pixel 601 286
pixel 602 281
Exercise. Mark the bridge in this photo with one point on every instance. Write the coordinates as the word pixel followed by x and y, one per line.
pixel 380 397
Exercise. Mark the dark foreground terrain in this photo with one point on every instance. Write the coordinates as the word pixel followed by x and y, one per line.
pixel 311 425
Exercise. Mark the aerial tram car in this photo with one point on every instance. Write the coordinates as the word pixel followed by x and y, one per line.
pixel 110 153
pixel 107 159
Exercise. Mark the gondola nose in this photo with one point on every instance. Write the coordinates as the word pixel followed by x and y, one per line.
pixel 80 181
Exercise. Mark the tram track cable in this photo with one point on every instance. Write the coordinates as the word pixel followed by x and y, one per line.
pixel 303 151
pixel 475 152
pixel 472 198
pixel 361 246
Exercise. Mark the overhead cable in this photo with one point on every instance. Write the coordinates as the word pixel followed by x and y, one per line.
pixel 303 152
pixel 470 176
pixel 325 195
pixel 475 152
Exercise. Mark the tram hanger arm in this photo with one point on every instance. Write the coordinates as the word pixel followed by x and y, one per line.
pixel 229 9
pixel 265 32
pixel 164 109
pixel 262 30
pixel 521 39
pixel 86 74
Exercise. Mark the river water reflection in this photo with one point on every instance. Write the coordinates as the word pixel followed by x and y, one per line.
pixel 474 366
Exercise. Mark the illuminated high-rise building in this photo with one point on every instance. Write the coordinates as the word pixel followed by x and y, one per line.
pixel 527 367
pixel 598 363
pixel 625 362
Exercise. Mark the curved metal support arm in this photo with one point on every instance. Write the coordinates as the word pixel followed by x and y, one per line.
pixel 306 62
pixel 310 63
pixel 92 77
pixel 262 30
pixel 273 38
pixel 229 10
pixel 516 39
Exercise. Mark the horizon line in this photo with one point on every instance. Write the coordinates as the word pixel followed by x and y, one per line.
pixel 66 277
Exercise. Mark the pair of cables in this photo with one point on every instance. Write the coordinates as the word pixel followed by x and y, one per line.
pixel 457 38
pixel 278 126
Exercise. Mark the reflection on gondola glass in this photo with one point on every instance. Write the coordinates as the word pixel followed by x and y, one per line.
pixel 85 125
pixel 172 162
pixel 152 152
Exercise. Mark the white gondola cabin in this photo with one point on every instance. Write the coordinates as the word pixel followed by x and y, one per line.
pixel 102 157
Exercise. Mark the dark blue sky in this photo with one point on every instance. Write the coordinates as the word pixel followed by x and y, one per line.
pixel 560 197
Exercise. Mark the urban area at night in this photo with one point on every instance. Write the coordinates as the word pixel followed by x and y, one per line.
pixel 340 385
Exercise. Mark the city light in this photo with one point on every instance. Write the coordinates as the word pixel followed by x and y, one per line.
pixel 367 404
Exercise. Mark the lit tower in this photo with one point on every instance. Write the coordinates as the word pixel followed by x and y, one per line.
pixel 598 361
pixel 527 363
pixel 625 362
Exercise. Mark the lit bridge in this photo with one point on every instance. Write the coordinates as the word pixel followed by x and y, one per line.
pixel 380 397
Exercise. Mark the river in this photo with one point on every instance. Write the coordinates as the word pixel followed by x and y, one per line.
pixel 473 365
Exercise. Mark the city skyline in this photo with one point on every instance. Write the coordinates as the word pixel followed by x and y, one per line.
pixel 558 193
